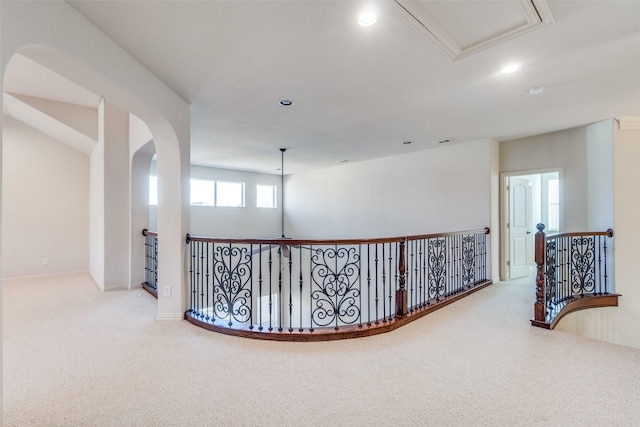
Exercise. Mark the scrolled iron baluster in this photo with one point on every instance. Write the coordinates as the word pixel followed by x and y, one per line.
pixel 300 329
pixel 395 280
pixel 384 286
pixel 468 259
pixel 335 274
pixel 368 285
pixel 360 285
pixel 270 288
pixel 437 268
pixel 583 259
pixel 376 321
pixel 290 290
pixel 192 277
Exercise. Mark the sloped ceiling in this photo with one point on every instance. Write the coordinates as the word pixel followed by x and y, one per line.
pixel 359 92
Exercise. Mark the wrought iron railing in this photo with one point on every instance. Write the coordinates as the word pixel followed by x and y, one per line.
pixel 573 272
pixel 440 266
pixel 321 289
pixel 151 262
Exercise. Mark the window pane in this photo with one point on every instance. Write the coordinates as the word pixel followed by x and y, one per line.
pixel 554 204
pixel 266 196
pixel 554 191
pixel 202 192
pixel 554 217
pixel 153 190
pixel 229 194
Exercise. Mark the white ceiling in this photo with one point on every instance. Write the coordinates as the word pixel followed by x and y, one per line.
pixel 359 92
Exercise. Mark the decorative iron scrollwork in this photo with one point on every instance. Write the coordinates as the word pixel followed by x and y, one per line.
pixel 335 274
pixel 468 259
pixel 232 293
pixel 437 267
pixel 583 265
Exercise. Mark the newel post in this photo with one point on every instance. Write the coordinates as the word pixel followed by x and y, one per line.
pixel 539 310
pixel 402 308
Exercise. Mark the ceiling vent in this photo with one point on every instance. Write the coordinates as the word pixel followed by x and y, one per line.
pixel 463 28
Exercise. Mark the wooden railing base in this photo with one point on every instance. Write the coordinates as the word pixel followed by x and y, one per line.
pixel 331 333
pixel 578 303
pixel 150 289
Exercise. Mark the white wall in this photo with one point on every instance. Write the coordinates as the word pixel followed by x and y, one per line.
pixel 619 324
pixel 563 149
pixel 600 175
pixel 247 222
pixel 46 197
pixel 439 190
pixel 109 200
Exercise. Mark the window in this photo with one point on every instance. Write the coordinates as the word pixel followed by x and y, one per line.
pixel 266 196
pixel 202 192
pixel 553 203
pixel 153 190
pixel 229 194
pixel 206 192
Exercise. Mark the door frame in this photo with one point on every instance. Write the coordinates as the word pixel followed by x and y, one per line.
pixel 504 210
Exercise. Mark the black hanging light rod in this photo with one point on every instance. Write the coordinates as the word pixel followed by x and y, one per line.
pixel 282 150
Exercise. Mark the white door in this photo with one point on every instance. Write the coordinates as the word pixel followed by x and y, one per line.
pixel 519 227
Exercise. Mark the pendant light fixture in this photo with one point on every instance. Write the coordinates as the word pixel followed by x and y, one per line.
pixel 282 150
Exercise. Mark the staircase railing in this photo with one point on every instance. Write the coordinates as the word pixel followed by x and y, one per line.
pixel 287 289
pixel 573 273
pixel 150 283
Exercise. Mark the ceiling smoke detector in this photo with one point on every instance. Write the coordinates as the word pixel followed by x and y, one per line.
pixel 536 90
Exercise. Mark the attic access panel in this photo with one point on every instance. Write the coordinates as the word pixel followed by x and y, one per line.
pixel 463 28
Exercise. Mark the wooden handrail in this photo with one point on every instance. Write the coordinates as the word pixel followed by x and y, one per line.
pixel 278 241
pixel 485 230
pixel 608 233
pixel 295 242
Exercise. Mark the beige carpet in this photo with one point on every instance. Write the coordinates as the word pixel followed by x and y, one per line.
pixel 74 356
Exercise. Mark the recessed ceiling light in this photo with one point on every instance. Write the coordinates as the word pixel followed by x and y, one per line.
pixel 536 90
pixel 367 19
pixel 286 102
pixel 511 68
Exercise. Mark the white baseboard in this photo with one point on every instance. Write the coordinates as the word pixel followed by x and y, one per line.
pixel 170 316
pixel 116 288
pixel 46 276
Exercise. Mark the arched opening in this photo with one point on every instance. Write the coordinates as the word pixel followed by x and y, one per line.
pixel 96 63
pixel 140 206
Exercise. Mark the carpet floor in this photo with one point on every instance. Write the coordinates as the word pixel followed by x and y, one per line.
pixel 74 356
